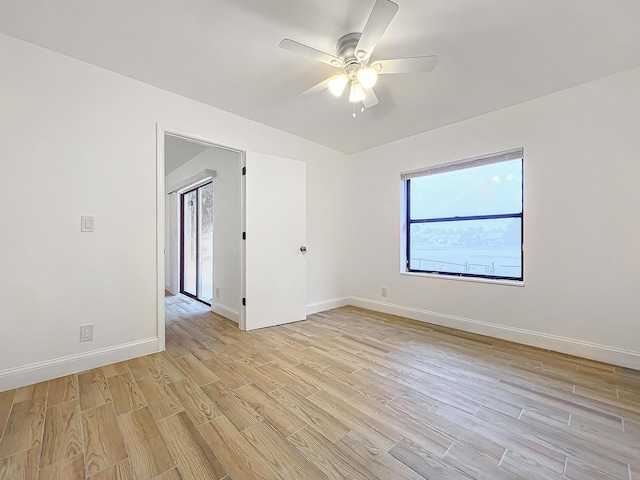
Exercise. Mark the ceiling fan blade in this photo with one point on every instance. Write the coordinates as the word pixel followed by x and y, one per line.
pixel 406 65
pixel 318 87
pixel 306 51
pixel 370 99
pixel 379 19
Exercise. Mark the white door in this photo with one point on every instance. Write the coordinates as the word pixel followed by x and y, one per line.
pixel 275 223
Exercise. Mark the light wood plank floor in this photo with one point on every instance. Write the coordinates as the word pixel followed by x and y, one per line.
pixel 347 394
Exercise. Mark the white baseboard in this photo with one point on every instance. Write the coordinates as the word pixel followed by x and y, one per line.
pixel 327 305
pixel 59 367
pixel 570 346
pixel 226 312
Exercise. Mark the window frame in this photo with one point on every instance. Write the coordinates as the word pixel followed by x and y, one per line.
pixel 514 154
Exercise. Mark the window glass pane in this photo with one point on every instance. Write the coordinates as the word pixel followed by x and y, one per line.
pixel 491 189
pixel 206 242
pixel 473 247
pixel 190 243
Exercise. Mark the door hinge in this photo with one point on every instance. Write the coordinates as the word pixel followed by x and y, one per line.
pixel 244 302
pixel 244 170
pixel 244 235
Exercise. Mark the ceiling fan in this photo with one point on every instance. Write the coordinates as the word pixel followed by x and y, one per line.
pixel 353 57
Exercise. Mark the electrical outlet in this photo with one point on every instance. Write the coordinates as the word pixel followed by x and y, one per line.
pixel 86 333
pixel 383 292
pixel 217 292
pixel 87 224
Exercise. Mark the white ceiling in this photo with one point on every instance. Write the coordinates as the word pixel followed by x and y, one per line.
pixel 492 54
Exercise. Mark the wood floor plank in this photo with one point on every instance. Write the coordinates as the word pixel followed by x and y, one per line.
pixel 63 389
pixel 578 471
pixel 375 432
pixel 166 367
pixel 266 406
pixel 25 426
pixel 196 349
pixel 94 389
pixel 62 434
pixel 425 462
pixel 174 474
pixel 125 393
pixel 70 469
pixel 120 471
pixel 283 457
pixel 238 456
pixel 590 449
pixel 6 402
pixel 375 459
pixel 160 398
pixel 193 455
pixel 275 355
pixel 333 360
pixel 323 381
pixel 147 451
pixel 115 369
pixel 311 414
pixel 409 427
pixel 226 374
pixel 103 443
pixel 196 370
pixel 142 367
pixel 31 392
pixel 255 375
pixel 276 371
pixel 475 464
pixel 526 466
pixel 328 458
pixel 198 406
pixel 537 428
pixel 610 430
pixel 235 408
pixel 20 466
pixel 364 387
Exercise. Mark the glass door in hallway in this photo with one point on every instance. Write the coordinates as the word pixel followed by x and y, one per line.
pixel 196 243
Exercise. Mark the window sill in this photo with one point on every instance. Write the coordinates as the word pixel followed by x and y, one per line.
pixel 511 283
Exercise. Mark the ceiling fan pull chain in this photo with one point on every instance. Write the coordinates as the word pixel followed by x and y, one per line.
pixel 354 110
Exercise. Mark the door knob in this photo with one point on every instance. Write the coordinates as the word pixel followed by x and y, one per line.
pixel 303 249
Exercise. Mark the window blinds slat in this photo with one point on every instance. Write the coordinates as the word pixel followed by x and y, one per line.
pixel 514 154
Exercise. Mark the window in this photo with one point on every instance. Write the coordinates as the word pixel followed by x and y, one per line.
pixel 465 218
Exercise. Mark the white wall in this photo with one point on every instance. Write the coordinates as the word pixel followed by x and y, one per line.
pixel 79 140
pixel 582 224
pixel 226 226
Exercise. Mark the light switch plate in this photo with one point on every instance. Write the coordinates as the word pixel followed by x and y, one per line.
pixel 86 333
pixel 87 224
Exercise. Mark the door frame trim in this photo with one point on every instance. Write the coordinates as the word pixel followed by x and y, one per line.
pixel 161 131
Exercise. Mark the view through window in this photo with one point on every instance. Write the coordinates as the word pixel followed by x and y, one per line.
pixel 196 244
pixel 466 218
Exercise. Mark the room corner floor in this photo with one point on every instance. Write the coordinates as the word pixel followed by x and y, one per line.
pixel 348 393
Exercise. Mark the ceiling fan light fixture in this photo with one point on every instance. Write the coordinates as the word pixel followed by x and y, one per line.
pixel 337 84
pixel 367 77
pixel 357 93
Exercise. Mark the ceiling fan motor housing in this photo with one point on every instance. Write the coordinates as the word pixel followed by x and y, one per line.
pixel 346 51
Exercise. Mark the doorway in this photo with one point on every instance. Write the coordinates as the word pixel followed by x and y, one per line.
pixel 196 243
pixel 256 285
pixel 202 212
